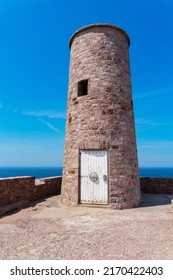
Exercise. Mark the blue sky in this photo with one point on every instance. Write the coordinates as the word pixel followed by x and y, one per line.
pixel 34 63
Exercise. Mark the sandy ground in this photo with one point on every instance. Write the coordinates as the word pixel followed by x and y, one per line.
pixel 48 230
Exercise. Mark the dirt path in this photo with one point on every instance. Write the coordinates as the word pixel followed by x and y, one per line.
pixel 49 230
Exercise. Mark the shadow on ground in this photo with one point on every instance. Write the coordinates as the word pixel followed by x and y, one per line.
pixel 15 208
pixel 155 199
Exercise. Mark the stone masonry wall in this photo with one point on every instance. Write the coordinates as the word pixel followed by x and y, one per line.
pixel 17 192
pixel 103 119
pixel 157 185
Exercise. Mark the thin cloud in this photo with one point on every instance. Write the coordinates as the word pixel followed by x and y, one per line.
pixel 147 123
pixel 156 145
pixel 49 114
pixel 142 122
pixel 155 93
pixel 50 126
pixel 57 116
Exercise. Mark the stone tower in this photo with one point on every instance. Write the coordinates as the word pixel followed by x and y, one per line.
pixel 100 157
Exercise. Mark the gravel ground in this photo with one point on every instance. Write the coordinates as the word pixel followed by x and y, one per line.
pixel 48 230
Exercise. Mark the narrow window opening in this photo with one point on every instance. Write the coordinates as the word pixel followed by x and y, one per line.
pixel 83 88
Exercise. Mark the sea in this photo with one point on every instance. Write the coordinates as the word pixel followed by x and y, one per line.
pixel 37 172
pixel 42 172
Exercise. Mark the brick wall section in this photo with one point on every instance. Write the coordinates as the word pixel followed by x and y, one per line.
pixel 15 189
pixel 17 192
pixel 104 118
pixel 157 185
pixel 49 186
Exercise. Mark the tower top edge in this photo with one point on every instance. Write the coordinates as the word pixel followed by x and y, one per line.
pixel 99 25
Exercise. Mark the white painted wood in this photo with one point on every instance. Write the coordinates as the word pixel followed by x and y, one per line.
pixel 94 192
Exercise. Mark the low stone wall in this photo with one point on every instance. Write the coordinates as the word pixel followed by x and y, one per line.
pixel 17 192
pixel 156 185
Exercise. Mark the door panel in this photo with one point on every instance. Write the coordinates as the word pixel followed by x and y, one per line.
pixel 93 177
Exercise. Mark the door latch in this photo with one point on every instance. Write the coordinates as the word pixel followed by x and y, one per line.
pixel 105 178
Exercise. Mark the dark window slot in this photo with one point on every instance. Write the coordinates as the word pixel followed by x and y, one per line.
pixel 83 88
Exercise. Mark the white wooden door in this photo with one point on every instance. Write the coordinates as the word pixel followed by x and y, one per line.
pixel 94 177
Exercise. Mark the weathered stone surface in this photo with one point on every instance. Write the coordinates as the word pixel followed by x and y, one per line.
pixel 156 185
pixel 17 192
pixel 102 119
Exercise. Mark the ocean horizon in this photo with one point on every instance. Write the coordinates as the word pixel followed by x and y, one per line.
pixel 42 172
pixel 37 172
